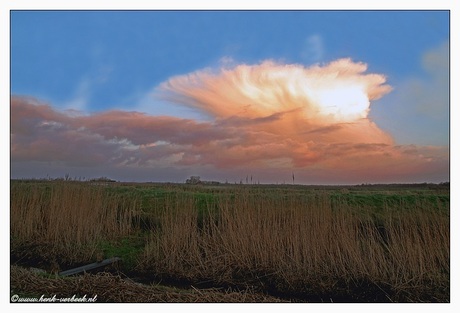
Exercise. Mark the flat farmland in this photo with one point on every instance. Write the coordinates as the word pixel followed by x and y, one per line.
pixel 238 242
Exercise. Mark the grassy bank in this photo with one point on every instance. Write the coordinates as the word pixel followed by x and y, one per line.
pixel 310 244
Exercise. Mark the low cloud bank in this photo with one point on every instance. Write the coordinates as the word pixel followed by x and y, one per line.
pixel 268 117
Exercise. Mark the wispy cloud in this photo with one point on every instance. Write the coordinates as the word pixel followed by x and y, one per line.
pixel 419 108
pixel 80 97
pixel 313 49
pixel 434 98
pixel 267 117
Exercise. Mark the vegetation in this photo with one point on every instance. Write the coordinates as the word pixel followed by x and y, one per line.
pixel 298 243
pixel 106 287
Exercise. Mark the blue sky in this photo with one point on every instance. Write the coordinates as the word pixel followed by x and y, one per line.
pixel 96 61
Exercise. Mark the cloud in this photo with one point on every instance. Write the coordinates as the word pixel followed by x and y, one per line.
pixel 418 110
pixel 81 96
pixel 430 96
pixel 267 118
pixel 434 96
pixel 339 91
pixel 84 90
pixel 313 50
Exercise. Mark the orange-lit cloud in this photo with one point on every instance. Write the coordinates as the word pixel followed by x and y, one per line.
pixel 337 92
pixel 268 117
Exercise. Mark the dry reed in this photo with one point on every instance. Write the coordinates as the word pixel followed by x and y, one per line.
pixel 66 220
pixel 302 246
pixel 113 288
pixel 306 245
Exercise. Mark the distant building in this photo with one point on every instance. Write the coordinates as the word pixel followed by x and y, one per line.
pixel 206 182
pixel 103 180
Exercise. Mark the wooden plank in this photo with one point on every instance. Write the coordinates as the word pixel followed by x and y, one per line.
pixel 88 267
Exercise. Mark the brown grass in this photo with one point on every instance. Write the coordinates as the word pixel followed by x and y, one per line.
pixel 306 248
pixel 114 288
pixel 67 220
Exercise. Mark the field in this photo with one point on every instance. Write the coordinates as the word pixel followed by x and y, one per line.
pixel 233 243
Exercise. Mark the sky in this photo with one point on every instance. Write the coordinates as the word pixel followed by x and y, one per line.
pixel 326 97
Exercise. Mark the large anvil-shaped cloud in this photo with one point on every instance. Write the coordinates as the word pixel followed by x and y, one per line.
pixel 337 92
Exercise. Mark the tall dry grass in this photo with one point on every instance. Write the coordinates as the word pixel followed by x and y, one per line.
pixel 302 244
pixel 66 220
pixel 306 245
